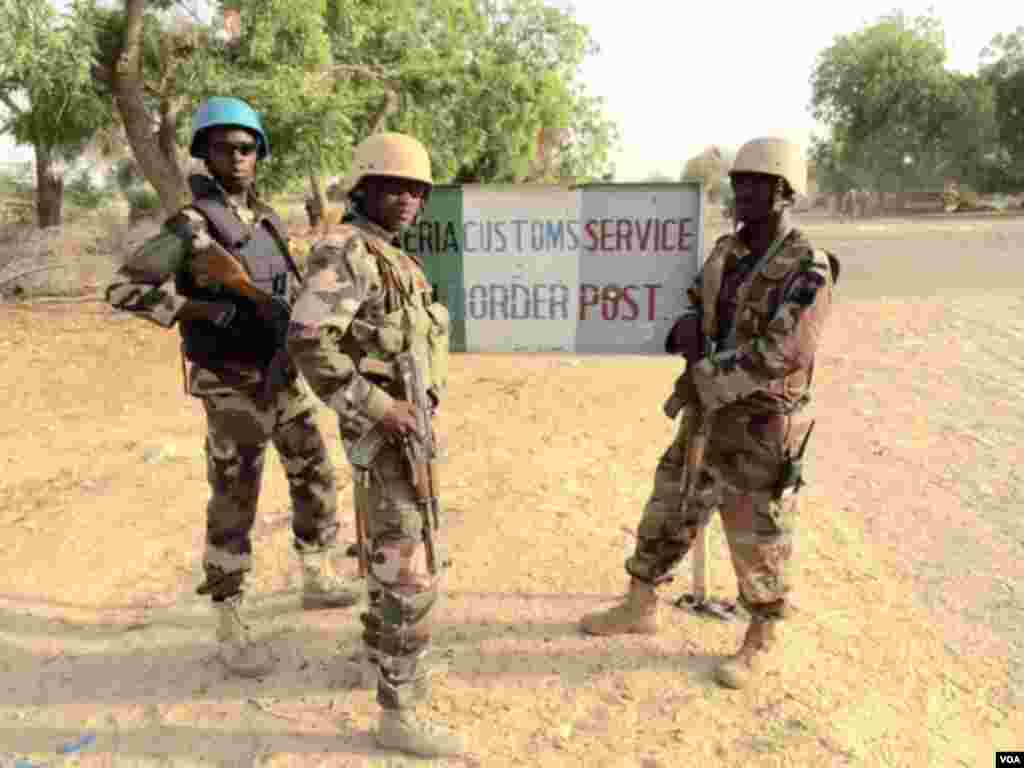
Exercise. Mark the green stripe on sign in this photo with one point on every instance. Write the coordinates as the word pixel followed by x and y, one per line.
pixel 437 238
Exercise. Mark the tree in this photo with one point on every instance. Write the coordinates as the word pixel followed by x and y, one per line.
pixel 712 167
pixel 140 58
pixel 885 94
pixel 480 82
pixel 1002 69
pixel 47 92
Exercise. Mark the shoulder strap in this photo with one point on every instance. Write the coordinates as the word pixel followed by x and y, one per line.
pixel 224 226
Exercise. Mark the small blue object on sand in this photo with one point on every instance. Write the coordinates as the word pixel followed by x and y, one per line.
pixel 77 744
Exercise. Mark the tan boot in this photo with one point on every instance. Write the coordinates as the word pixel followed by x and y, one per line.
pixel 741 670
pixel 637 614
pixel 322 587
pixel 237 651
pixel 402 730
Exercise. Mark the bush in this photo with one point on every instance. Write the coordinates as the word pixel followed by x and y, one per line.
pixel 17 182
pixel 143 201
pixel 83 192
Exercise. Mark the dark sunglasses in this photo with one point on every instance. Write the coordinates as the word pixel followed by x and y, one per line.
pixel 244 148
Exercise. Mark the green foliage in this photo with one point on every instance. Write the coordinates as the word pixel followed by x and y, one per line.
pixel 45 78
pixel 885 92
pixel 143 200
pixel 899 119
pixel 17 181
pixel 83 192
pixel 1002 70
pixel 475 80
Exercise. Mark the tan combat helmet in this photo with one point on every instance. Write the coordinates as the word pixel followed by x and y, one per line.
pixel 389 154
pixel 777 157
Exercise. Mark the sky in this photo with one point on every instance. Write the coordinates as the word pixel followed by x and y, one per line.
pixel 680 76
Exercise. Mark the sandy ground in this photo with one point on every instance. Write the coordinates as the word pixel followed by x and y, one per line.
pixel 905 650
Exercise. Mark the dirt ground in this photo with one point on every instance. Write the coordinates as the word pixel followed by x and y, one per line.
pixel 906 649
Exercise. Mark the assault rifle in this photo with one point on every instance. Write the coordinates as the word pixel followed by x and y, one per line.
pixel 697 424
pixel 225 271
pixel 420 451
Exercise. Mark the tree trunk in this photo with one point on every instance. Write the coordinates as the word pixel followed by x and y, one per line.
pixel 316 204
pixel 158 162
pixel 49 188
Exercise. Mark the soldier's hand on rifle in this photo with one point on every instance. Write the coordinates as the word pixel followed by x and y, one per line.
pixel 220 313
pixel 685 338
pixel 400 420
pixel 210 264
pixel 684 393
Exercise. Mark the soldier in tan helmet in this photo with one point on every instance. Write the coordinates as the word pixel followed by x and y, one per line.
pixel 774 300
pixel 365 303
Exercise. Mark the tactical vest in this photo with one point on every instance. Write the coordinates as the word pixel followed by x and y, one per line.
pixel 409 320
pixel 748 301
pixel 263 251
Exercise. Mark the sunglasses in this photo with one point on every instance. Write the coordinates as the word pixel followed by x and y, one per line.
pixel 244 148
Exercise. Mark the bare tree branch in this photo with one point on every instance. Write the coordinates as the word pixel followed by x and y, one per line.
pixel 388 108
pixel 162 169
pixel 392 88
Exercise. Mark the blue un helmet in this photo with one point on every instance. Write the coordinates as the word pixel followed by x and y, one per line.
pixel 224 112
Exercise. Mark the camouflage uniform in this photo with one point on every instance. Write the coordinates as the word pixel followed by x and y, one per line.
pixel 771 315
pixel 365 300
pixel 240 421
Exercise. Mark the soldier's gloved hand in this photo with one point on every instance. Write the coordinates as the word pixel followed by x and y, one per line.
pixel 400 420
pixel 220 313
pixel 685 338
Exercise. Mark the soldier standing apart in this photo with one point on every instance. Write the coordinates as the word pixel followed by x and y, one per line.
pixel 364 302
pixel 238 369
pixel 775 297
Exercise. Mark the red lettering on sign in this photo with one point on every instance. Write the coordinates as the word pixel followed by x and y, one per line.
pixel 605 223
pixel 624 231
pixel 666 241
pixel 683 234
pixel 589 230
pixel 626 304
pixel 609 309
pixel 630 302
pixel 588 298
pixel 652 292
pixel 644 235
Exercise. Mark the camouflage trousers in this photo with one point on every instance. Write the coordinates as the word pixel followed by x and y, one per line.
pixel 402 591
pixel 743 459
pixel 239 428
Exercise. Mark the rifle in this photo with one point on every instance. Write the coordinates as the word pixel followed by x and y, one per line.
pixel 697 424
pixel 223 270
pixel 421 452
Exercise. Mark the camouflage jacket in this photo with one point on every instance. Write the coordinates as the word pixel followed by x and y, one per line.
pixel 364 301
pixel 145 286
pixel 771 315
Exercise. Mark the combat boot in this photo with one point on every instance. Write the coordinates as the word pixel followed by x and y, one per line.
pixel 741 670
pixel 402 730
pixel 322 587
pixel 637 614
pixel 237 651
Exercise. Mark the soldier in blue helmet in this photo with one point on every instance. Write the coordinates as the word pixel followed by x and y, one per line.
pixel 236 365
